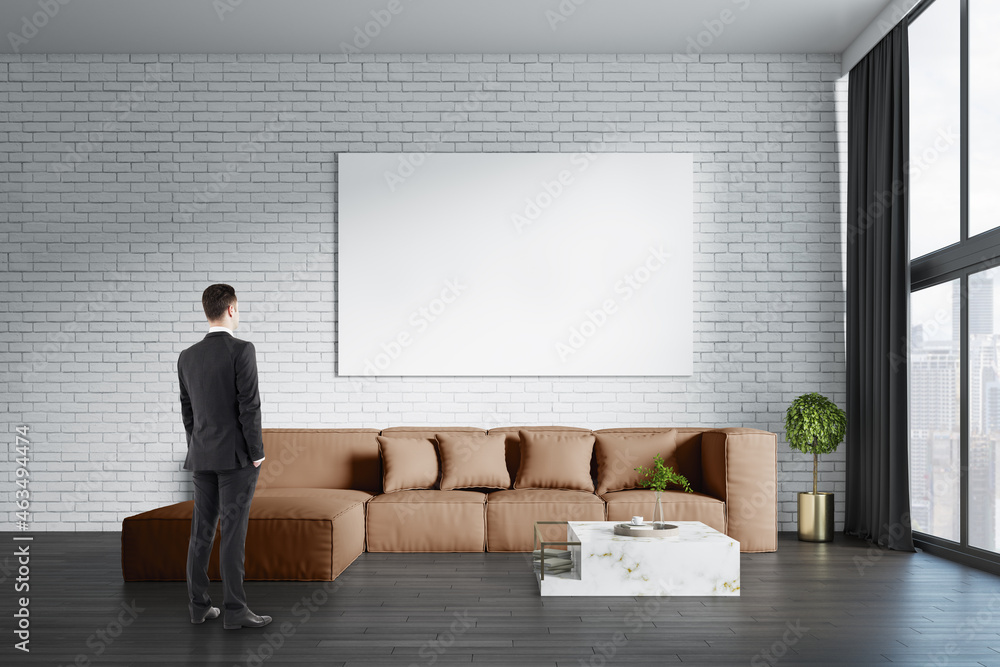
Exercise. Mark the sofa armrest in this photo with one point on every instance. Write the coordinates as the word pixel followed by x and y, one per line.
pixel 739 466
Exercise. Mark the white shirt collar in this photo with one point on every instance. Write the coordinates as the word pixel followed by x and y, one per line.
pixel 226 329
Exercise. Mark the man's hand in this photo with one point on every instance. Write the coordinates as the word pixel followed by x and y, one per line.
pixel 256 464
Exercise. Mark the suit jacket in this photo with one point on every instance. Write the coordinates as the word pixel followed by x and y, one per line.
pixel 220 403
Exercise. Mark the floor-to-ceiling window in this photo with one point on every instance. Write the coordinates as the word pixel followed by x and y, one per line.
pixel 954 360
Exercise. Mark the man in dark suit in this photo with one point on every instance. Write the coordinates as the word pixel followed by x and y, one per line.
pixel 221 409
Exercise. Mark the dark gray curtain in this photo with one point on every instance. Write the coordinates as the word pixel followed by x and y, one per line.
pixel 878 290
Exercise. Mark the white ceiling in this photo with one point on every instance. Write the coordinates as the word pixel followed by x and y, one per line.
pixel 439 26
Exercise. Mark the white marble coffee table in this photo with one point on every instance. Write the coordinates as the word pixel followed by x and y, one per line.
pixel 697 561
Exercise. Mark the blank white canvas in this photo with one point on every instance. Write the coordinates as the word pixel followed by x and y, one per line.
pixel 500 264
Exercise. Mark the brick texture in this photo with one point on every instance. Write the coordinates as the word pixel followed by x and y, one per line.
pixel 132 182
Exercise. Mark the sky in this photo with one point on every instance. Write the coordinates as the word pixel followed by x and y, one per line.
pixel 935 123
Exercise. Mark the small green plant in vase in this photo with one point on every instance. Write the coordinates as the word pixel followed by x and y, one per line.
pixel 658 477
pixel 815 425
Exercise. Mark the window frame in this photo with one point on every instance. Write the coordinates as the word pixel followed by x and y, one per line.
pixel 959 260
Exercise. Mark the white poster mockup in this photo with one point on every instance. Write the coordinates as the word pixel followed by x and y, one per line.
pixel 514 264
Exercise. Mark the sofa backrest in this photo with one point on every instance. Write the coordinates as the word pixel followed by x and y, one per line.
pixel 349 458
pixel 427 431
pixel 321 458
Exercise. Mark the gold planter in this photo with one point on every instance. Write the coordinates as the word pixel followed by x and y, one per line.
pixel 816 517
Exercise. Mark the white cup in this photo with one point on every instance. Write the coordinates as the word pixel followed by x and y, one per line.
pixel 637 521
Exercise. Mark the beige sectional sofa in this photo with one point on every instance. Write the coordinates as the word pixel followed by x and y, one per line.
pixel 326 495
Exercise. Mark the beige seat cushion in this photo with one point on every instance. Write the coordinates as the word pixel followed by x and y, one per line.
pixel 677 506
pixel 427 520
pixel 511 514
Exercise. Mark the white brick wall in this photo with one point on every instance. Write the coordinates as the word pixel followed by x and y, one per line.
pixel 131 183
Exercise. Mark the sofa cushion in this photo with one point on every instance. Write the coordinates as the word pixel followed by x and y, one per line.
pixel 511 514
pixel 512 442
pixel 472 461
pixel 619 454
pixel 686 458
pixel 555 461
pixel 311 525
pixel 408 463
pixel 677 506
pixel 321 532
pixel 427 520
pixel 321 459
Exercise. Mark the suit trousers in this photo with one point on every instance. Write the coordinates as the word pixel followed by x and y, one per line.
pixel 224 494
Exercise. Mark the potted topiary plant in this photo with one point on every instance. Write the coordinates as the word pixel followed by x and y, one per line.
pixel 815 425
pixel 658 477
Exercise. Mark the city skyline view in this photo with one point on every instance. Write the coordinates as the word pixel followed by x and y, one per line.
pixel 935 409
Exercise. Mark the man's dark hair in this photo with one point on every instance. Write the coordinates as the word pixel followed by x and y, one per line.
pixel 216 299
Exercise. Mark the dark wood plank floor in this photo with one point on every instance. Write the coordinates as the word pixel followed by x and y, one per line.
pixel 807 604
